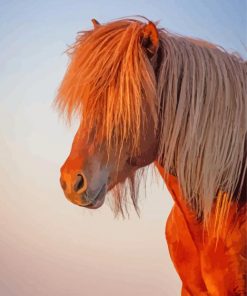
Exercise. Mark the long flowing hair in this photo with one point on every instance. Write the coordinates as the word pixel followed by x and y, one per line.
pixel 197 96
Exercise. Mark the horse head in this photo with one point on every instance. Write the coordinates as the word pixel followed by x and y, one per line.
pixel 118 107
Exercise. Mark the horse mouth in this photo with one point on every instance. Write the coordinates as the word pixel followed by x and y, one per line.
pixel 99 199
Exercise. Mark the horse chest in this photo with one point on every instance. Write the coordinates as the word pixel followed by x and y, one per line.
pixel 206 264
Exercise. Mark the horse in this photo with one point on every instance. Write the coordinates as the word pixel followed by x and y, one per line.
pixel 144 95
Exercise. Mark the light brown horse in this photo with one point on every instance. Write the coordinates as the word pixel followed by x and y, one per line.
pixel 145 95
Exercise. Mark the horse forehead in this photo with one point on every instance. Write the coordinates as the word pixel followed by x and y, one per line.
pixel 72 164
pixel 82 157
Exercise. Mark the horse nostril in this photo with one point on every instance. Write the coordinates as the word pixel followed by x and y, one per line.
pixel 80 184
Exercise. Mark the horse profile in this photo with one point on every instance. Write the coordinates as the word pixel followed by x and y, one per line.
pixel 144 95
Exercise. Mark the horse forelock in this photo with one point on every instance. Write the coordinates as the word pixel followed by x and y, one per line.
pixel 106 82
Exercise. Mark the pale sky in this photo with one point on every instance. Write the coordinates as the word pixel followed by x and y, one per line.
pixel 49 246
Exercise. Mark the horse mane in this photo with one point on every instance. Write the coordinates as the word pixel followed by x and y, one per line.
pixel 106 82
pixel 203 97
pixel 201 93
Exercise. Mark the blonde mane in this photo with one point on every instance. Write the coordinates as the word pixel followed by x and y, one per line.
pixel 197 92
pixel 203 96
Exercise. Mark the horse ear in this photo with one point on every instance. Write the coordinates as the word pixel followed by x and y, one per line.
pixel 95 23
pixel 150 39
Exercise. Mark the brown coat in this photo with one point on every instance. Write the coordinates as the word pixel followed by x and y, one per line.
pixel 207 264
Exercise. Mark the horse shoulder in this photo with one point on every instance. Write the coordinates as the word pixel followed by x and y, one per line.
pixel 181 242
pixel 224 257
pixel 204 260
pixel 184 253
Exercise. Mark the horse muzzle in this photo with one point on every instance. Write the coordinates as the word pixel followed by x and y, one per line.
pixel 77 191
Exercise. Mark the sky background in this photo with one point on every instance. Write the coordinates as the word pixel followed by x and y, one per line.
pixel 49 246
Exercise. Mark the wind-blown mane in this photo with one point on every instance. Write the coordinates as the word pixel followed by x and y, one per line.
pixel 107 80
pixel 196 91
pixel 203 95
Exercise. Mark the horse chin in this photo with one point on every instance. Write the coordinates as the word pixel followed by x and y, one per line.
pixel 99 200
